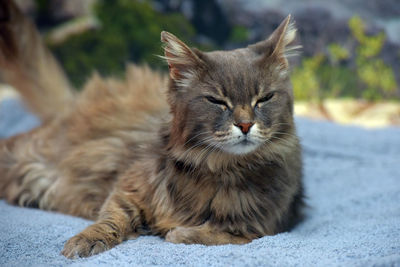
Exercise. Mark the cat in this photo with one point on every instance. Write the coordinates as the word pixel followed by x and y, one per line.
pixel 208 155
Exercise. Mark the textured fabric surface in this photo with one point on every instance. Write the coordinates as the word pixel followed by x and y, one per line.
pixel 14 118
pixel 352 180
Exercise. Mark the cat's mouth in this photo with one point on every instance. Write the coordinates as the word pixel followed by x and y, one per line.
pixel 246 142
pixel 244 146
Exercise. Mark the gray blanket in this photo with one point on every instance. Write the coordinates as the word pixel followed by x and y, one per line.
pixel 352 180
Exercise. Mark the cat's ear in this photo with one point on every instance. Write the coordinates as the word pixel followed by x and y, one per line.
pixel 182 61
pixel 278 43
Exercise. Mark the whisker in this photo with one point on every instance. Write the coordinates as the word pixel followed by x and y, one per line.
pixel 272 154
pixel 197 135
pixel 187 154
pixel 285 142
pixel 289 134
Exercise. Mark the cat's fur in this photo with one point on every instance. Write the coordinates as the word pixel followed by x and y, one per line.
pixel 213 160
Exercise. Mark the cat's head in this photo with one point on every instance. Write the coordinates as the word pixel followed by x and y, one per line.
pixel 232 101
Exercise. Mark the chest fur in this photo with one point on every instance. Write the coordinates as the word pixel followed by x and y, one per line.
pixel 246 202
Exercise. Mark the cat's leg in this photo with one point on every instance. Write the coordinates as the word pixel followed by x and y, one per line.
pixel 118 219
pixel 203 234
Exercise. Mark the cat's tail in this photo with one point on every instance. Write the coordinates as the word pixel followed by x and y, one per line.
pixel 28 66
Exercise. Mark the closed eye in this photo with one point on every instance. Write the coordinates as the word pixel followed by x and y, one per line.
pixel 216 101
pixel 265 98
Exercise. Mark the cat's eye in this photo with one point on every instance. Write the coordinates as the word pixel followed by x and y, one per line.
pixel 265 99
pixel 213 100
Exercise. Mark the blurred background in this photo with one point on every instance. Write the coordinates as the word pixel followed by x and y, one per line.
pixel 348 70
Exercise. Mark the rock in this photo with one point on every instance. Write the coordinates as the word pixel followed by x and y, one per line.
pixel 56 10
pixel 77 26
pixel 62 10
pixel 207 17
pixel 27 6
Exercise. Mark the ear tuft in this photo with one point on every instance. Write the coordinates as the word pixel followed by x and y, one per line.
pixel 278 43
pixel 286 33
pixel 182 61
pixel 175 49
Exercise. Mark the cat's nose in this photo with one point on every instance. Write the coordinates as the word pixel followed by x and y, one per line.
pixel 244 126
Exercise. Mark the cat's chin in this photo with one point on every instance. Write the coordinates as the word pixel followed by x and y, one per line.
pixel 241 148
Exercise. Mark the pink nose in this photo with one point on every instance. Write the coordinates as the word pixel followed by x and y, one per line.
pixel 244 126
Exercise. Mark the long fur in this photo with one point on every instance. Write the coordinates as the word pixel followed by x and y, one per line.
pixel 124 153
pixel 28 65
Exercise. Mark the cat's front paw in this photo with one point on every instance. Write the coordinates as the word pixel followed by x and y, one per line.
pixel 82 246
pixel 180 235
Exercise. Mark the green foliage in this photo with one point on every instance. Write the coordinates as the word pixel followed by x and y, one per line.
pixel 377 77
pixel 370 46
pixel 130 31
pixel 325 76
pixel 338 53
pixel 305 79
pixel 239 34
pixel 42 5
